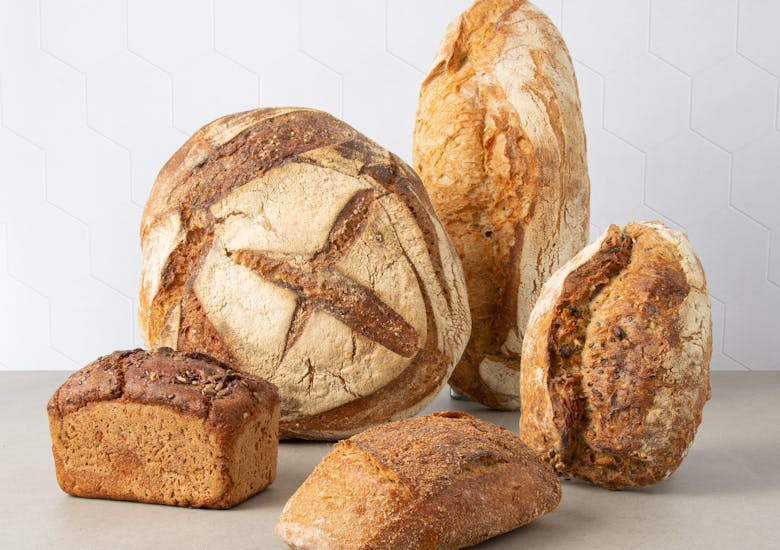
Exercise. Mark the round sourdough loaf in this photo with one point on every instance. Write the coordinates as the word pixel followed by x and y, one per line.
pixel 500 146
pixel 286 243
pixel 616 358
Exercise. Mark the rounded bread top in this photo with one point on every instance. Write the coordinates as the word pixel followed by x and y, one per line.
pixel 284 241
pixel 194 384
pixel 500 146
pixel 615 368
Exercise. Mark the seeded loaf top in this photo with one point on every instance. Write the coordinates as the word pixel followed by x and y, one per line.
pixel 193 384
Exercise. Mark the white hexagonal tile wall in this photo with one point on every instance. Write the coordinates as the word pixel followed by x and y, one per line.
pixel 388 116
pixel 82 43
pixel 19 24
pixel 732 248
pixel 112 230
pixel 89 179
pixel 22 173
pixel 590 85
pixel 90 101
pixel 616 171
pixel 42 99
pixel 301 81
pixel 751 327
pixel 24 335
pixel 256 33
pixel 720 360
pixel 168 35
pixel 48 250
pixel 755 187
pixel 411 25
pixel 774 257
pixel 646 102
pixel 733 102
pixel 104 323
pixel 343 34
pixel 206 85
pixel 209 87
pixel 115 88
pixel 671 36
pixel 687 178
pixel 263 36
pixel 621 28
pixel 758 36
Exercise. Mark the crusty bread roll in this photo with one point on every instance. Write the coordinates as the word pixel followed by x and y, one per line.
pixel 445 480
pixel 616 358
pixel 285 242
pixel 500 146
pixel 164 427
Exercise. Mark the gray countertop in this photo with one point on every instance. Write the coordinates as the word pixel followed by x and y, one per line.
pixel 725 495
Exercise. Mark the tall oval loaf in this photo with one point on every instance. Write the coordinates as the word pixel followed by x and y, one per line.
pixel 285 242
pixel 615 368
pixel 500 146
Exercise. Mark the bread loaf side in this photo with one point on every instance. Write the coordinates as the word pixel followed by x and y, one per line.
pixel 445 480
pixel 500 146
pixel 615 368
pixel 166 428
pixel 285 242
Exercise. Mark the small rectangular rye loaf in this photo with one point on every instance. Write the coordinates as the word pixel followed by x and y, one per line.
pixel 164 427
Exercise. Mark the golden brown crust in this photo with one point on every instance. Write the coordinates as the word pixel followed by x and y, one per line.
pixel 500 146
pixel 182 381
pixel 190 188
pixel 381 406
pixel 195 330
pixel 445 480
pixel 164 427
pixel 229 270
pixel 616 367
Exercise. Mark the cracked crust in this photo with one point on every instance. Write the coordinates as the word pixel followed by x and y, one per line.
pixel 445 480
pixel 164 427
pixel 500 146
pixel 285 242
pixel 615 368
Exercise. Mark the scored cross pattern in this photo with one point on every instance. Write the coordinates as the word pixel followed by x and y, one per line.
pixel 319 286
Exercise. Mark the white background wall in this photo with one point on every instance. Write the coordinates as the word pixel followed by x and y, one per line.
pixel 680 100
